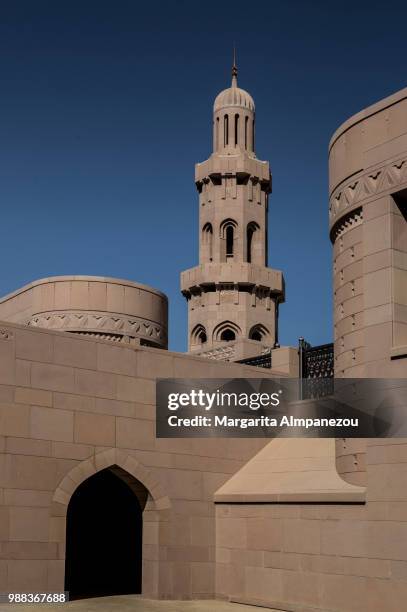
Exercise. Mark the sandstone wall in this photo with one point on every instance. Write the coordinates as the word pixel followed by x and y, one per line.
pixel 308 556
pixel 70 406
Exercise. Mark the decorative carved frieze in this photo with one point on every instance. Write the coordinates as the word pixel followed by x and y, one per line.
pixel 349 221
pixel 100 323
pixel 221 353
pixel 373 182
pixel 111 337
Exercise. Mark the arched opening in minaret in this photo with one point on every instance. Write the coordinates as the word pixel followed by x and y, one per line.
pixel 226 130
pixel 198 335
pixel 104 535
pixel 251 241
pixel 253 135
pixel 246 121
pixel 207 242
pixel 249 244
pixel 236 130
pixel 227 235
pixel 227 331
pixel 217 134
pixel 259 332
pixel 228 335
pixel 230 231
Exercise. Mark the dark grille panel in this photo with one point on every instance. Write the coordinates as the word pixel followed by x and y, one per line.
pixel 260 361
pixel 316 369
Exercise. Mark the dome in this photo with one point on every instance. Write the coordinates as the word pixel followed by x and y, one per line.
pixel 233 96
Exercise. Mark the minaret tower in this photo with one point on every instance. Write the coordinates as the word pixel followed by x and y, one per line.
pixel 232 295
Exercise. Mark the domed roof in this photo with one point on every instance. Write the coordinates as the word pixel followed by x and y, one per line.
pixel 233 96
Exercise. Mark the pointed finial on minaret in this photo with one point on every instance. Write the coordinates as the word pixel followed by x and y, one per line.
pixel 234 68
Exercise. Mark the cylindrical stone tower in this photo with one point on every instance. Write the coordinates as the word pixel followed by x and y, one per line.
pixel 233 297
pixel 368 229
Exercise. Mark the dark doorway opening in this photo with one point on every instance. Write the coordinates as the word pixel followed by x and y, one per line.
pixel 104 536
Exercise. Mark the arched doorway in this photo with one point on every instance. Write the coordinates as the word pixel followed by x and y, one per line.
pixel 104 535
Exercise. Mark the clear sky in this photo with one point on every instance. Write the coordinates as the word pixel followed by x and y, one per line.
pixel 106 106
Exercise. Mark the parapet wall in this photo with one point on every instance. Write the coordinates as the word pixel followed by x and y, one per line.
pixel 109 308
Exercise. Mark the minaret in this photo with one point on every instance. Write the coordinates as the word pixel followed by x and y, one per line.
pixel 232 295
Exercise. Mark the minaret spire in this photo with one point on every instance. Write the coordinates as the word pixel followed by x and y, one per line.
pixel 232 295
pixel 234 68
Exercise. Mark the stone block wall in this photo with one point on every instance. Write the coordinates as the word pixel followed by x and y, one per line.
pixel 70 406
pixel 308 557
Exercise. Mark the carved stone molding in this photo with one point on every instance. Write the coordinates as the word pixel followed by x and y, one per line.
pixel 101 324
pixel 374 182
pixel 347 222
pixel 6 334
pixel 221 353
pixel 111 337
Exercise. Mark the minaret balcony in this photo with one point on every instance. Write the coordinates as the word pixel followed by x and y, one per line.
pixel 234 164
pixel 235 273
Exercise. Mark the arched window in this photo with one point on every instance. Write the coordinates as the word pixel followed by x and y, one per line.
pixel 249 244
pixel 217 134
pixel 227 234
pixel 198 335
pixel 229 240
pixel 227 331
pixel 253 135
pixel 259 333
pixel 207 241
pixel 246 121
pixel 236 130
pixel 226 130
pixel 202 337
pixel 228 335
pixel 252 228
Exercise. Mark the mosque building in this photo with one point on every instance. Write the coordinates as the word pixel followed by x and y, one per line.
pixel 92 502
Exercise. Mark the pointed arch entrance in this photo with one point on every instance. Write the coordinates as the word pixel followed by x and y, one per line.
pixel 155 507
pixel 104 536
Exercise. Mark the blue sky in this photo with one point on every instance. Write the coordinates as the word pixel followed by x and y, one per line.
pixel 106 106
